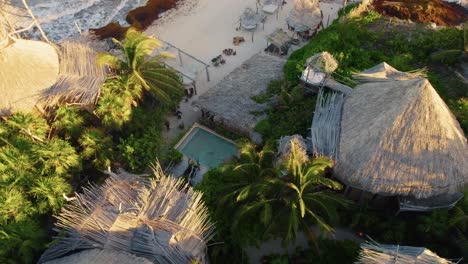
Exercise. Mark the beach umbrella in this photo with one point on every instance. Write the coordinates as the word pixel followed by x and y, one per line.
pixel 305 15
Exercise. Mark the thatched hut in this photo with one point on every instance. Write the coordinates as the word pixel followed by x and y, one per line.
pixel 162 220
pixel 36 74
pixel 230 102
pixel 399 139
pixel 250 19
pixel 278 42
pixel 375 253
pixel 28 68
pixel 305 18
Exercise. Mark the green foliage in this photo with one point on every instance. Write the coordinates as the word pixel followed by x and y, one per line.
pixel 293 115
pixel 21 242
pixel 174 155
pixel 97 147
pixel 142 142
pixel 34 174
pixel 69 120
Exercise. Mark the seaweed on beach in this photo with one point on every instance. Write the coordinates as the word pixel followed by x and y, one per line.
pixel 139 18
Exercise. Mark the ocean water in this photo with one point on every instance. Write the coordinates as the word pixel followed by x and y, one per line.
pixel 58 17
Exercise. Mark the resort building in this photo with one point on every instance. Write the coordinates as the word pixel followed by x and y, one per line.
pixel 398 139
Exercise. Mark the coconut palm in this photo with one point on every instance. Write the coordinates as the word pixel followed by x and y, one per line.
pixel 55 157
pixel 144 71
pixel 295 201
pixel 251 167
pixel 48 193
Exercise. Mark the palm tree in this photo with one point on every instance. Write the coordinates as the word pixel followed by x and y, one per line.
pixel 251 167
pixel 97 146
pixel 55 157
pixel 143 71
pixel 48 192
pixel 68 120
pixel 295 201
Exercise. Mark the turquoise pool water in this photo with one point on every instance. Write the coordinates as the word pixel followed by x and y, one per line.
pixel 207 148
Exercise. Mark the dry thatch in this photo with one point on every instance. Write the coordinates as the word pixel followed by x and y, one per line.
pixel 386 73
pixel 305 15
pixel 80 78
pixel 28 68
pixel 278 38
pixel 325 130
pixel 230 100
pixel 11 17
pixel 375 253
pixel 399 138
pixel 162 220
pixel 100 256
pixel 323 62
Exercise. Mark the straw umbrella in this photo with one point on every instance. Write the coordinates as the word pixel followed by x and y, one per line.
pixel 305 16
pixel 319 67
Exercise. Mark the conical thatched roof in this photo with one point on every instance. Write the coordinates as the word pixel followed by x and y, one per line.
pixel 375 253
pixel 305 15
pixel 162 220
pixel 399 138
pixel 28 68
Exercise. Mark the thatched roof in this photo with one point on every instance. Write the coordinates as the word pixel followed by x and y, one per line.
pixel 278 38
pixel 375 253
pixel 80 78
pixel 28 68
pixel 162 220
pixel 230 100
pixel 385 73
pixel 398 138
pixel 305 15
pixel 11 17
pixel 323 62
pixel 100 256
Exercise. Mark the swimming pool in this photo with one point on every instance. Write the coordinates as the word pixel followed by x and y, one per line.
pixel 205 146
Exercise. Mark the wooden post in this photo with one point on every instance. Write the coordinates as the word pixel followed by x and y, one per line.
pixel 180 57
pixel 253 36
pixel 35 21
pixel 328 20
pixel 207 73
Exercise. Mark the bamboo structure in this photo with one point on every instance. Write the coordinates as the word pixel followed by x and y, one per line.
pixel 160 219
pixel 375 253
pixel 399 138
pixel 325 130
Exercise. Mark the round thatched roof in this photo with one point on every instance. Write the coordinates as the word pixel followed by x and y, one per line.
pixel 305 15
pixel 399 138
pixel 27 68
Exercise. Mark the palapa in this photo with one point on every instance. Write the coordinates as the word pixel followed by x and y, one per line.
pixel 80 78
pixel 399 138
pixel 161 219
pixel 28 68
pixel 375 253
pixel 230 101
pixel 305 15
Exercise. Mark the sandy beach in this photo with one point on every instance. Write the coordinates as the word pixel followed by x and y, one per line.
pixel 204 28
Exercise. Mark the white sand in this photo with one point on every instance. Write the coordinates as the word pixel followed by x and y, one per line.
pixel 204 28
